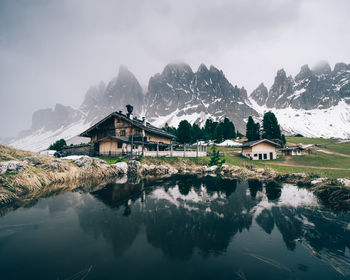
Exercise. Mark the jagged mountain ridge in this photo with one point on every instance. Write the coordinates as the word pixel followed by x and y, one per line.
pixel 175 94
pixel 316 102
pixel 319 88
pixel 180 93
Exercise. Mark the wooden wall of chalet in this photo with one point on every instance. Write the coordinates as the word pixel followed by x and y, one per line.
pixel 157 138
pixel 121 128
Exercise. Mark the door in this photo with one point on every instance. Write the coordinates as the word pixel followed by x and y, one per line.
pixel 260 156
pixel 271 155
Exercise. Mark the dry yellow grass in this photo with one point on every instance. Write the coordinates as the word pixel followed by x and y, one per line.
pixel 38 178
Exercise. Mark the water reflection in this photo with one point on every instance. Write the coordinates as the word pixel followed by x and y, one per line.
pixel 187 214
pixel 241 225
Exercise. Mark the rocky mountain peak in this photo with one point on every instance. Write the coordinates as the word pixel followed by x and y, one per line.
pixel 51 119
pixel 304 73
pixel 340 67
pixel 319 88
pixel 260 94
pixel 280 90
pixel 213 69
pixel 205 93
pixel 202 68
pixel 281 74
pixel 176 69
pixel 125 78
pixel 322 68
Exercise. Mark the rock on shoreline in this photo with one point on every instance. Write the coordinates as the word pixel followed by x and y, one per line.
pixel 32 174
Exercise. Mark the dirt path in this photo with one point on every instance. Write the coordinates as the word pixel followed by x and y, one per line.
pixel 306 166
pixel 332 153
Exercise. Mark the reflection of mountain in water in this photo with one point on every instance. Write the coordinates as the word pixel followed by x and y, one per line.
pixel 188 214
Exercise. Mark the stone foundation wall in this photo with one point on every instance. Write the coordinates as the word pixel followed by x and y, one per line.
pixel 83 149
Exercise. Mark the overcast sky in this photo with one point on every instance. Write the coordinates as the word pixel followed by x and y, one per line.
pixel 52 51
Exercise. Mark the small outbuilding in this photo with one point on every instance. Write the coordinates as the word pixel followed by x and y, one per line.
pixel 292 151
pixel 263 149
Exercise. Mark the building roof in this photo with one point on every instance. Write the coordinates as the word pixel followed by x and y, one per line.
pixel 256 142
pixel 292 148
pixel 135 121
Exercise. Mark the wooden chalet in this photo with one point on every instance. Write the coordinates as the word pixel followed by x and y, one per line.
pixel 121 134
pixel 263 149
pixel 292 151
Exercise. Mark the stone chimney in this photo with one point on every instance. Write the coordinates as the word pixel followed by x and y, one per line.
pixel 129 109
pixel 144 121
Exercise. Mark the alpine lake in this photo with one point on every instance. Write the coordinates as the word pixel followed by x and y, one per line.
pixel 183 227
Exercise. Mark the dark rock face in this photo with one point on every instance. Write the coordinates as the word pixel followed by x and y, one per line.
pixel 99 101
pixel 205 93
pixel 102 100
pixel 319 88
pixel 260 94
pixel 51 119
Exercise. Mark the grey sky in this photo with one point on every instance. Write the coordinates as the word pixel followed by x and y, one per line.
pixel 52 51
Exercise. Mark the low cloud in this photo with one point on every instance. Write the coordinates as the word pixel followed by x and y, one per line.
pixel 52 51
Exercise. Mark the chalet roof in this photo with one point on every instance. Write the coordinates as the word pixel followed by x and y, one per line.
pixel 135 121
pixel 256 142
pixel 292 148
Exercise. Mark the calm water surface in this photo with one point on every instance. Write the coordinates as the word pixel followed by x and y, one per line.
pixel 180 228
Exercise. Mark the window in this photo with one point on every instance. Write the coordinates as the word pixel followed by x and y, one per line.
pixel 122 133
pixel 255 155
pixel 118 120
pixel 138 132
pixel 120 145
pixel 265 156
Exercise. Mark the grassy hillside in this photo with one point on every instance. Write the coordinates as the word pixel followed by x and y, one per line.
pixel 343 148
pixel 305 140
pixel 318 163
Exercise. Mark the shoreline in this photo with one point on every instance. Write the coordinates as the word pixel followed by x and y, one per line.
pixel 25 176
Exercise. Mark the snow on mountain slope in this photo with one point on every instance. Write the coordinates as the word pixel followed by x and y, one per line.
pixel 42 139
pixel 173 119
pixel 332 122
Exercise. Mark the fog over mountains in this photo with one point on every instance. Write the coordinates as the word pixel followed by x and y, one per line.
pixel 316 102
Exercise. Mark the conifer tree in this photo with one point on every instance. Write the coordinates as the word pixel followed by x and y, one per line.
pixel 250 129
pixel 184 132
pixel 58 145
pixel 257 131
pixel 271 128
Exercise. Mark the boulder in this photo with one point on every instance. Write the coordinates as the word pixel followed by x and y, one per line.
pixel 317 181
pixel 32 160
pixel 83 161
pixel 298 175
pixel 122 167
pixel 224 166
pixel 11 166
pixel 161 170
pixel 173 171
pixel 133 167
pixel 122 180
pixel 211 169
pixel 51 166
pixel 344 181
pixel 101 162
pixel 260 170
